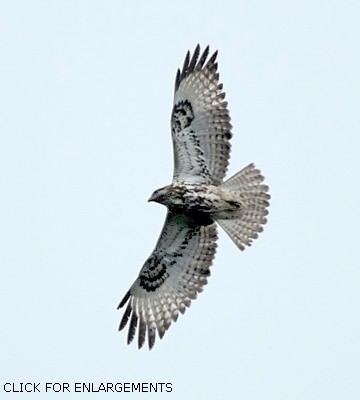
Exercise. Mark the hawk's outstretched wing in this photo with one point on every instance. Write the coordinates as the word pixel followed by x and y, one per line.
pixel 200 122
pixel 170 278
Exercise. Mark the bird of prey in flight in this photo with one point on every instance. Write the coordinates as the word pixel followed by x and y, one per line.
pixel 197 200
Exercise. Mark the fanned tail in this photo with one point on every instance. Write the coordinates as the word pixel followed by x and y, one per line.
pixel 248 190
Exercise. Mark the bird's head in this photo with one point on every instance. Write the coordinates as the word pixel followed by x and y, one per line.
pixel 160 195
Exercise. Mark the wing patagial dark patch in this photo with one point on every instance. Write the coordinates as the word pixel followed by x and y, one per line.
pixel 195 64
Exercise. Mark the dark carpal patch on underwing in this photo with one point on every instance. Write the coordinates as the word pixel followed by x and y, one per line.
pixel 154 275
pixel 182 116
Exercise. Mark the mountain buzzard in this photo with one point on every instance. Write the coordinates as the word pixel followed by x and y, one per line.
pixel 196 199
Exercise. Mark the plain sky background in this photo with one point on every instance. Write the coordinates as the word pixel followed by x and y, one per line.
pixel 85 99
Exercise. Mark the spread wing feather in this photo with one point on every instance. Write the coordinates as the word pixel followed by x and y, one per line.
pixel 200 121
pixel 171 277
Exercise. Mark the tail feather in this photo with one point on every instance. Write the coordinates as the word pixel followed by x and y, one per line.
pixel 249 191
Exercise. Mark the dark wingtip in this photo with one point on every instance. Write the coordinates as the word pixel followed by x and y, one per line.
pixel 203 58
pixel 194 59
pixel 142 333
pixel 195 62
pixel 177 79
pixel 132 327
pixel 125 317
pixel 151 337
pixel 124 300
pixel 185 66
pixel 212 59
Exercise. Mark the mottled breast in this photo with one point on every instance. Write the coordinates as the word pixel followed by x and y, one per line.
pixel 192 198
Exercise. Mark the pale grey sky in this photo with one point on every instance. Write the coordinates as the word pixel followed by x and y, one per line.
pixel 85 99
